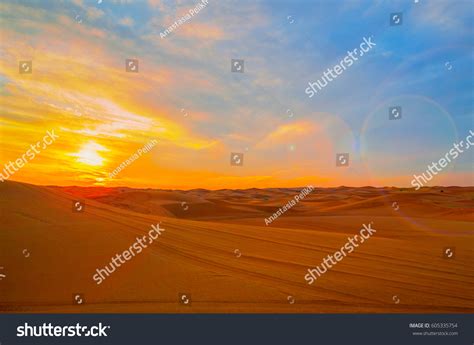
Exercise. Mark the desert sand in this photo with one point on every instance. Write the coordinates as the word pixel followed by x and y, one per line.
pixel 49 253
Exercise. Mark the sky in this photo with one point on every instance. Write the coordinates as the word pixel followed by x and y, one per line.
pixel 186 97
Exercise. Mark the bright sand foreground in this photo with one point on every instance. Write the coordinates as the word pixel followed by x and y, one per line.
pixel 401 268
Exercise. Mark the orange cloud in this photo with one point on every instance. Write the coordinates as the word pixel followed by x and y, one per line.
pixel 286 132
pixel 204 31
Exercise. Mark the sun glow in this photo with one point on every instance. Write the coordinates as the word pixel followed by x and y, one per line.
pixel 89 154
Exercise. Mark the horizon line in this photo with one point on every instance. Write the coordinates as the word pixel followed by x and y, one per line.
pixel 219 189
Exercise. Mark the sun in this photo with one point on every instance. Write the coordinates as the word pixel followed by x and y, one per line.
pixel 89 154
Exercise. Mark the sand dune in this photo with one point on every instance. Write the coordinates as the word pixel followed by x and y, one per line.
pixel 196 254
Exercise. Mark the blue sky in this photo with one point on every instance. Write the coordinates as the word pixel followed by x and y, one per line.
pixel 424 65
